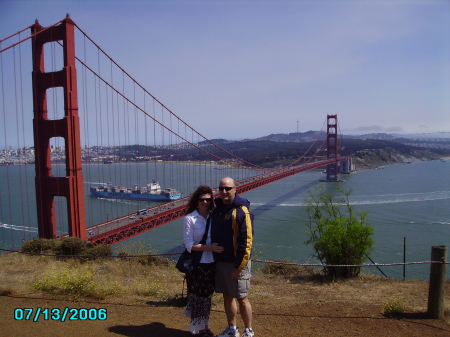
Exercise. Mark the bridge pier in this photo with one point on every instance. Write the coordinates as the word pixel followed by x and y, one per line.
pixel 346 166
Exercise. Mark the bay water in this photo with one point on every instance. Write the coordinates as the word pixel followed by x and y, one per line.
pixel 405 203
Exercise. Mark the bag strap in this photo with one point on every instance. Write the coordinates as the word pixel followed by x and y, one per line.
pixel 205 235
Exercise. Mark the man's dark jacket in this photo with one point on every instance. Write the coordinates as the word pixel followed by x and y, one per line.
pixel 232 228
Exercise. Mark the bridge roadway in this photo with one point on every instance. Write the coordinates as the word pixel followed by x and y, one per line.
pixel 120 229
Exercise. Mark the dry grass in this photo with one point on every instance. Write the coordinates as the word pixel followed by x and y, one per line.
pixel 124 280
pixel 147 301
pixel 365 290
pixel 135 283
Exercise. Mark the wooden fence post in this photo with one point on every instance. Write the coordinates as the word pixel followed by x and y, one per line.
pixel 438 274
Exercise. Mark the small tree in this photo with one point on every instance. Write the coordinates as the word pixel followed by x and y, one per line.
pixel 338 238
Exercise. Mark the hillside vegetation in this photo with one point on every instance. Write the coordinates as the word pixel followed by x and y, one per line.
pixel 279 150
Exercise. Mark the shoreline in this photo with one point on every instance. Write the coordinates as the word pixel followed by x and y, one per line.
pixel 371 161
pixel 365 163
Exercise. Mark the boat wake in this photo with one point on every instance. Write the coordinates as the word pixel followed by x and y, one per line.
pixel 120 201
pixel 19 228
pixel 408 197
pixel 378 199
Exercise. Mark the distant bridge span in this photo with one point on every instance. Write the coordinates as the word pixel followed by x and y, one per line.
pixel 111 232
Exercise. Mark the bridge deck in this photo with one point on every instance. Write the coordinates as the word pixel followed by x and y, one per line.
pixel 120 229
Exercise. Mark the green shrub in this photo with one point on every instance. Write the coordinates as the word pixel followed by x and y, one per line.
pixel 99 250
pixel 40 246
pixel 393 308
pixel 338 238
pixel 89 244
pixel 280 268
pixel 71 246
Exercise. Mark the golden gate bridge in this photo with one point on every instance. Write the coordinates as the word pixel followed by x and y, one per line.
pixel 94 123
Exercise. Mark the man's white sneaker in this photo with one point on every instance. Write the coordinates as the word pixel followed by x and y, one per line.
pixel 228 332
pixel 248 333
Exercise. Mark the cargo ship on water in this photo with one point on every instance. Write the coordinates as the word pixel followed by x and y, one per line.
pixel 151 192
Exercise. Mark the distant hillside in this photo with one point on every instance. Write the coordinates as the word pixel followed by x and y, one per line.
pixel 298 137
pixel 283 149
pixel 377 149
pixel 373 153
pixel 438 137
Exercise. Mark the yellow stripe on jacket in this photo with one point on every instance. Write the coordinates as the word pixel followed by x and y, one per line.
pixel 249 242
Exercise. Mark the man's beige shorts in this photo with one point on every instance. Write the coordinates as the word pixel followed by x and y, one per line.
pixel 235 288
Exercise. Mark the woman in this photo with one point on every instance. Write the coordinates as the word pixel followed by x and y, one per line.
pixel 200 282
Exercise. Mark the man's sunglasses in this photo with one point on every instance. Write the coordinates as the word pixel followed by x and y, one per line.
pixel 205 199
pixel 226 188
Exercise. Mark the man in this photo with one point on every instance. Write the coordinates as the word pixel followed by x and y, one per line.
pixel 232 228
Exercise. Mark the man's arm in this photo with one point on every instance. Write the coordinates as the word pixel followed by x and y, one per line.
pixel 243 221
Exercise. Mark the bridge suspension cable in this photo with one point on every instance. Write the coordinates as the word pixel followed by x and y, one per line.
pixel 161 104
pixel 25 39
pixel 128 137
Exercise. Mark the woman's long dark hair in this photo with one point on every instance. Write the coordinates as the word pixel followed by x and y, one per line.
pixel 193 201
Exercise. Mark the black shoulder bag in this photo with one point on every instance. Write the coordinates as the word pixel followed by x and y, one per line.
pixel 189 261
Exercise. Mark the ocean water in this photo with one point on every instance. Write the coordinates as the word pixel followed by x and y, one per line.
pixel 405 203
pixel 408 202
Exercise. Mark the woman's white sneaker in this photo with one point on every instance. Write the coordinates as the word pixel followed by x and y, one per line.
pixel 229 332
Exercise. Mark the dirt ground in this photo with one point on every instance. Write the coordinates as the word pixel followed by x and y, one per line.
pixel 306 309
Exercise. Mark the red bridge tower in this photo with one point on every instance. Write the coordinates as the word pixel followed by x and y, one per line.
pixel 332 148
pixel 48 186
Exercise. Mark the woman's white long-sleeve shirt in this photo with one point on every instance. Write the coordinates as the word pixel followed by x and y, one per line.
pixel 194 226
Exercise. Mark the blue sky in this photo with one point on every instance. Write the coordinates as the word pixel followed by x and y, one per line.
pixel 246 69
